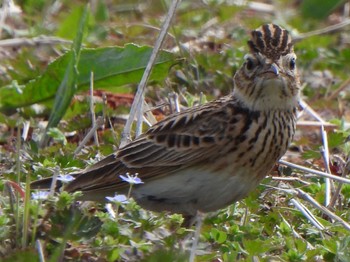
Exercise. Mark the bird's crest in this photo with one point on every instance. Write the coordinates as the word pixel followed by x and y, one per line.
pixel 271 41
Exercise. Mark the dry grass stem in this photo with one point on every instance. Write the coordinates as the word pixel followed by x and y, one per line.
pixel 325 154
pixel 139 115
pixel 142 86
pixel 313 171
pixel 291 179
pixel 337 191
pixel 40 250
pixel 315 124
pixel 92 107
pixel 307 213
pixel 99 122
pixel 40 40
pixel 322 31
pixel 341 88
pixel 56 173
pixel 295 233
pixel 301 194
pixel 312 112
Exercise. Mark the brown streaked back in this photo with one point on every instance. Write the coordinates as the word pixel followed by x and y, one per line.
pixel 271 41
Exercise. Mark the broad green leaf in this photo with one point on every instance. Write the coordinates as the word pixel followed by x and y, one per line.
pixel 336 138
pixel 255 247
pixel 330 245
pixel 219 236
pixel 112 67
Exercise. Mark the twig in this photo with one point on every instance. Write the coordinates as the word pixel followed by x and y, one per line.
pixel 141 88
pixel 56 172
pixel 307 213
pixel 308 124
pixel 324 151
pixel 176 101
pixel 35 41
pixel 295 233
pixel 326 30
pixel 316 172
pixel 290 179
pixel 104 112
pixel 174 98
pixel 312 112
pixel 139 115
pixel 151 120
pixel 40 250
pixel 335 94
pixel 338 189
pixel 301 194
pixel 325 154
pixel 99 122
pixel 92 107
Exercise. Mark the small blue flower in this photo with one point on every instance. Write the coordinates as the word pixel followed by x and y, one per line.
pixel 65 178
pixel 40 195
pixel 122 199
pixel 134 180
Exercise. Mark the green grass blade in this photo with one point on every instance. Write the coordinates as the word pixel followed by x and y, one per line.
pixel 68 85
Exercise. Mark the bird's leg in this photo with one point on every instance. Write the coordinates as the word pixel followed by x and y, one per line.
pixel 199 222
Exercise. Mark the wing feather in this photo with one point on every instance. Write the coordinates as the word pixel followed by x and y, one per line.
pixel 180 139
pixel 186 138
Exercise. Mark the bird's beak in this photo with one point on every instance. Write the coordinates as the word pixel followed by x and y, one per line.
pixel 274 69
pixel 271 68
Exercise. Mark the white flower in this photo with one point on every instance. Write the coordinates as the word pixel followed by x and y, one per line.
pixel 40 195
pixel 134 180
pixel 65 178
pixel 122 199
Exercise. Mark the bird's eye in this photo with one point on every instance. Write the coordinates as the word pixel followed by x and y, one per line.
pixel 292 63
pixel 250 64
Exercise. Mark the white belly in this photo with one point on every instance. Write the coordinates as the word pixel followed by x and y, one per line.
pixel 190 190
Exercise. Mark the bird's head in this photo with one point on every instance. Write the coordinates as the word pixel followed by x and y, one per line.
pixel 268 79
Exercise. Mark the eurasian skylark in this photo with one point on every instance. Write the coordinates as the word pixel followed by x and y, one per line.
pixel 209 156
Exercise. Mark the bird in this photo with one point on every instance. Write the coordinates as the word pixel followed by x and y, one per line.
pixel 209 156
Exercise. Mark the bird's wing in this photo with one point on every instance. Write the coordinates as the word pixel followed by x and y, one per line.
pixel 186 138
pixel 181 139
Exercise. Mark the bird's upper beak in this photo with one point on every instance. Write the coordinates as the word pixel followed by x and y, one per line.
pixel 274 69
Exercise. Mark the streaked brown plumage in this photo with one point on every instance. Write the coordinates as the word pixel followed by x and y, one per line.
pixel 207 157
